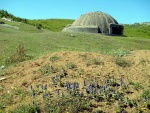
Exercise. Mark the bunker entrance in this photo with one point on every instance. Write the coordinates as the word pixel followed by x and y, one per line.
pixel 116 29
pixel 99 30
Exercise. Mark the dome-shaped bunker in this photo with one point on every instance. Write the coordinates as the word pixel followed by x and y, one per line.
pixel 95 22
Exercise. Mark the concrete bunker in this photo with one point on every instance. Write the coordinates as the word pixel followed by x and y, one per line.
pixel 96 22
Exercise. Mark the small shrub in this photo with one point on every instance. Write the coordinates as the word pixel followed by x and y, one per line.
pixel 26 109
pixel 137 86
pixel 96 61
pixel 1 22
pixel 2 106
pixel 88 63
pixel 93 61
pixel 122 62
pixel 18 56
pixel 71 65
pixel 120 52
pixel 84 56
pixel 47 69
pixel 54 58
pixel 39 26
pixel 81 72
pixel 67 105
pixel 146 93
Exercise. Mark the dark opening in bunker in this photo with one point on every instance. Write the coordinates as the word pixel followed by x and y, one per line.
pixel 99 30
pixel 116 30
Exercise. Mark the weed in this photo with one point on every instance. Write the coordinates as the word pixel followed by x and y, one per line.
pixel 120 52
pixel 122 62
pixel 2 106
pixel 71 65
pixel 26 109
pixel 143 61
pixel 18 56
pixel 81 72
pixel 146 93
pixel 137 86
pixel 88 63
pixel 96 61
pixel 8 98
pixel 84 56
pixel 47 69
pixel 54 58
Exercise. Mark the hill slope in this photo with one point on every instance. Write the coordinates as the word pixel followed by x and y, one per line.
pixel 133 30
pixel 80 66
pixel 38 42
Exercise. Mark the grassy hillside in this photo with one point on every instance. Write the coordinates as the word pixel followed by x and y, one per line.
pixel 51 24
pixel 97 82
pixel 38 42
pixel 137 30
pixel 130 30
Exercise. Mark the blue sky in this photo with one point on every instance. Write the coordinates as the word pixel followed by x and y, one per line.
pixel 124 11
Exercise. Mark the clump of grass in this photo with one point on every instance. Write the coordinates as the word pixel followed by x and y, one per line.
pixel 26 109
pixel 84 56
pixel 88 63
pixel 54 58
pixel 137 86
pixel 47 69
pixel 120 52
pixel 146 93
pixel 81 72
pixel 122 62
pixel 67 105
pixel 70 65
pixel 96 61
pixel 19 55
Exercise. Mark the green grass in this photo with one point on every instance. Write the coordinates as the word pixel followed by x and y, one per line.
pixel 51 24
pixel 38 42
pixel 137 30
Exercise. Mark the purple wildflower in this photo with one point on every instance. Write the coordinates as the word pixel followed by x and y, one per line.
pixel 67 85
pixel 88 98
pixel 33 94
pixel 53 81
pixel 31 87
pixel 44 88
pixel 94 91
pixel 84 83
pixel 97 86
pixel 144 99
pixel 57 91
pixel 104 88
pixel 33 102
pixel 87 90
pixel 81 94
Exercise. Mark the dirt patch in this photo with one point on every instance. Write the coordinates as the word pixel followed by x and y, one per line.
pixel 79 67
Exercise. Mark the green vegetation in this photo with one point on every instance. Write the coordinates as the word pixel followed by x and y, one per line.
pixel 51 24
pixel 71 96
pixel 47 69
pixel 146 93
pixel 70 65
pixel 54 58
pixel 26 109
pixel 18 55
pixel 5 14
pixel 122 62
pixel 137 86
pixel 71 99
pixel 137 30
